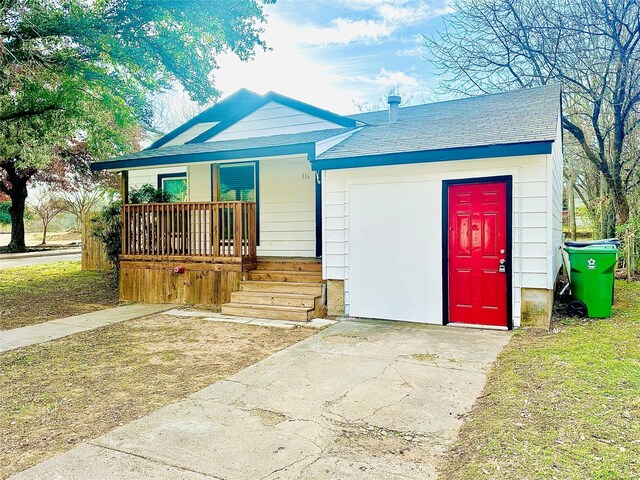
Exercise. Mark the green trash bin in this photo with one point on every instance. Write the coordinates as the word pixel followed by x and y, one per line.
pixel 592 273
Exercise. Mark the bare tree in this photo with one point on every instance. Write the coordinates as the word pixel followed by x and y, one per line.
pixel 83 199
pixel 47 206
pixel 591 47
pixel 79 189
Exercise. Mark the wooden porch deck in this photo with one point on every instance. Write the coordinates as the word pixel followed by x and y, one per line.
pixel 201 253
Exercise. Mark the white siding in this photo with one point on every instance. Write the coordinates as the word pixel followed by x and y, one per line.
pixel 139 177
pixel 530 218
pixel 556 165
pixel 199 182
pixel 190 133
pixel 273 119
pixel 287 207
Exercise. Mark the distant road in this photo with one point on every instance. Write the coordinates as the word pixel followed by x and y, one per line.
pixel 22 262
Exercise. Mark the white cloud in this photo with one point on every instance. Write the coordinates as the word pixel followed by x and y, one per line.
pixel 413 13
pixel 292 66
pixel 389 79
pixel 288 68
pixel 389 17
pixel 342 31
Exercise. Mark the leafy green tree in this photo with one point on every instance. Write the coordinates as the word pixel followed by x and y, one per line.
pixel 81 70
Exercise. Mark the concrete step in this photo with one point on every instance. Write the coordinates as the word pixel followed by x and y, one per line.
pixel 279 299
pixel 285 276
pixel 293 266
pixel 298 314
pixel 301 288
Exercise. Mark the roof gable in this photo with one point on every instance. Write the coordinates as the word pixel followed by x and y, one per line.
pixel 236 105
pixel 230 111
pixel 273 118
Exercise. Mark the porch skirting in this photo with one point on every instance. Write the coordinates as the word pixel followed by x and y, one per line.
pixel 196 282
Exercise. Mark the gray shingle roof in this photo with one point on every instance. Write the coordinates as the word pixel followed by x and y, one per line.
pixel 519 116
pixel 240 144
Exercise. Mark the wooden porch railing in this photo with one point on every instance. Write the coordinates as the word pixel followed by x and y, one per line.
pixel 220 230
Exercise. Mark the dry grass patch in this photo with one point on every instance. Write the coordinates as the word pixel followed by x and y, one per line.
pixel 564 404
pixel 60 393
pixel 39 293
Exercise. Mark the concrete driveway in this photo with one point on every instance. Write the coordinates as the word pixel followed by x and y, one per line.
pixel 360 400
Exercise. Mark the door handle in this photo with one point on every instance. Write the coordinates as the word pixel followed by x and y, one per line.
pixel 502 268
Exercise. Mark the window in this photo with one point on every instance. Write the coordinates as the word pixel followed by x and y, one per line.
pixel 175 184
pixel 237 182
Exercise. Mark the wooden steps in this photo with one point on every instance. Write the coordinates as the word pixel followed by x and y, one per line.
pixel 290 266
pixel 268 311
pixel 280 289
pixel 285 276
pixel 274 298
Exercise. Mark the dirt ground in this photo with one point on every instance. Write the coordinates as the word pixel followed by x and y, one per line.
pixel 58 394
pixel 39 293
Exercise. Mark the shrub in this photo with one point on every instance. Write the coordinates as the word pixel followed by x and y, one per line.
pixel 5 217
pixel 148 194
pixel 106 226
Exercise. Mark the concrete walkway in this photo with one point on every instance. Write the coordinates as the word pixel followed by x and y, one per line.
pixel 360 400
pixel 44 332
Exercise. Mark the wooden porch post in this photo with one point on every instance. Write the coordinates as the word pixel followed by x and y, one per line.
pixel 124 195
pixel 237 229
pixel 124 186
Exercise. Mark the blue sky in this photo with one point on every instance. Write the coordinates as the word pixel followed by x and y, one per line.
pixel 335 53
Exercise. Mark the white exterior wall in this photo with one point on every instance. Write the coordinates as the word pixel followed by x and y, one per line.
pixel 273 119
pixel 530 222
pixel 555 166
pixel 287 207
pixel 140 176
pixel 199 182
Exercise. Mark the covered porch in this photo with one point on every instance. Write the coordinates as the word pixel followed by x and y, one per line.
pixel 206 253
pixel 229 211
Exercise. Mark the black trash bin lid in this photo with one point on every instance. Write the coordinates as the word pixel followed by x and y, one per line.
pixel 604 241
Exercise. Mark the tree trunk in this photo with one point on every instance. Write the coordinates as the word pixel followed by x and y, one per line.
pixel 620 201
pixel 18 201
pixel 622 208
pixel 44 233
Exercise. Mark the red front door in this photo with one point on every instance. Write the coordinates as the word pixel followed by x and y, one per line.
pixel 478 253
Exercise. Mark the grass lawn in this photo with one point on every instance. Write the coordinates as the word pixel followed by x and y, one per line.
pixel 58 394
pixel 563 405
pixel 39 293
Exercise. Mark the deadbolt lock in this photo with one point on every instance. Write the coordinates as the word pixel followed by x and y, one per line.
pixel 502 269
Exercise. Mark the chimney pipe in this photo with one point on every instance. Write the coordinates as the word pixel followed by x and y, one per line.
pixel 394 102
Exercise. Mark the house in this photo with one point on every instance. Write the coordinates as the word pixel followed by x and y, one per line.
pixel 447 212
